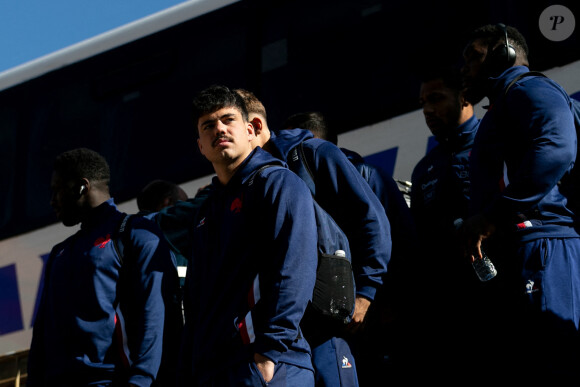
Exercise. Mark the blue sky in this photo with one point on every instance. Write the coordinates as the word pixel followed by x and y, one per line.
pixel 30 29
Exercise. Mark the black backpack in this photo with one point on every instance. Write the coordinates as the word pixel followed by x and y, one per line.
pixel 333 297
pixel 570 184
pixel 335 291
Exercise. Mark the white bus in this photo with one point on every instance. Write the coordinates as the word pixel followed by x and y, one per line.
pixel 126 94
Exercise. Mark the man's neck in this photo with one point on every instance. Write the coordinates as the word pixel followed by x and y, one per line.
pixel 225 171
pixel 466 114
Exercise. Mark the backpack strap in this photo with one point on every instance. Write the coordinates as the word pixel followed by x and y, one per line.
pixel 298 163
pixel 250 181
pixel 522 75
pixel 120 236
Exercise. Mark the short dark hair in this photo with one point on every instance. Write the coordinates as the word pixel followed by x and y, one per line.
pixel 451 77
pixel 313 121
pixel 82 163
pixel 492 34
pixel 215 98
pixel 253 104
pixel 153 195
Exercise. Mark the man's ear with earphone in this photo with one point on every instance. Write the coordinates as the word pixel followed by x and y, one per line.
pixel 83 186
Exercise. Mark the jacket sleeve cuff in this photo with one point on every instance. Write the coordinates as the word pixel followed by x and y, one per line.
pixel 368 292
pixel 271 354
pixel 140 380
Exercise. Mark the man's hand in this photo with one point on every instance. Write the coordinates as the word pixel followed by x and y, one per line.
pixel 265 366
pixel 361 306
pixel 475 230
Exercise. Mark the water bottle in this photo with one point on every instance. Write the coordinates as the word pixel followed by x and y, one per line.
pixel 483 267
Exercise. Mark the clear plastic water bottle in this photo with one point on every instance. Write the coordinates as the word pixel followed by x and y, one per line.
pixel 483 267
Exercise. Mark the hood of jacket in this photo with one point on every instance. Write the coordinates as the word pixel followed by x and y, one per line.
pixel 282 142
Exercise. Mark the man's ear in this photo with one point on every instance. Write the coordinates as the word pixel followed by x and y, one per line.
pixel 462 100
pixel 251 130
pixel 257 124
pixel 84 186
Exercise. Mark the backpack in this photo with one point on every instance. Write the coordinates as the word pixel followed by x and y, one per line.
pixel 333 297
pixel 570 183
pixel 173 310
pixel 335 291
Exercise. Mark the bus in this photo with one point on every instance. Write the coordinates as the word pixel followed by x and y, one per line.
pixel 127 93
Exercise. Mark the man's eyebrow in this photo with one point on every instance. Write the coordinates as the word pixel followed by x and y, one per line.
pixel 208 121
pixel 227 115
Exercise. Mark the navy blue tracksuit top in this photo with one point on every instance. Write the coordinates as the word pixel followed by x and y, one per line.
pixel 526 143
pixel 347 197
pixel 253 244
pixel 100 319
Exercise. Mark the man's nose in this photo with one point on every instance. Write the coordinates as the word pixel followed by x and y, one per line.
pixel 221 127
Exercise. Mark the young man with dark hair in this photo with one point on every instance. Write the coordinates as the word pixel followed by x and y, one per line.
pixel 159 194
pixel 525 147
pixel 346 196
pixel 102 313
pixel 253 267
pixel 440 180
pixel 314 122
pixel 439 199
pixel 491 39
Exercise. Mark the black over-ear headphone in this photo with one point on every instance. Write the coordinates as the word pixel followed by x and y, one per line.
pixel 503 56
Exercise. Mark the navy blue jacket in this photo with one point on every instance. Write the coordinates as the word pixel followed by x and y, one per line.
pixel 440 185
pixel 346 196
pixel 91 302
pixel 385 187
pixel 525 145
pixel 265 229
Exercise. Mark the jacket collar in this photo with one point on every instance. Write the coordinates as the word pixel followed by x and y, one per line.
pixel 496 86
pixel 99 214
pixel 255 160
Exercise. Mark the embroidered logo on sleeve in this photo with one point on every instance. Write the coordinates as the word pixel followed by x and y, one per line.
pixel 531 287
pixel 346 363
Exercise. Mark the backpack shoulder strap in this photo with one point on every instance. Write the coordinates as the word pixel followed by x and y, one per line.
pixel 120 236
pixel 522 75
pixel 250 181
pixel 298 163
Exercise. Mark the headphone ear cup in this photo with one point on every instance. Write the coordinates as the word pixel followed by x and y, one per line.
pixel 502 57
pixel 510 55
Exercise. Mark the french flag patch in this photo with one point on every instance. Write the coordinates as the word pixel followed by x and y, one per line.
pixel 246 326
pixel 524 224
